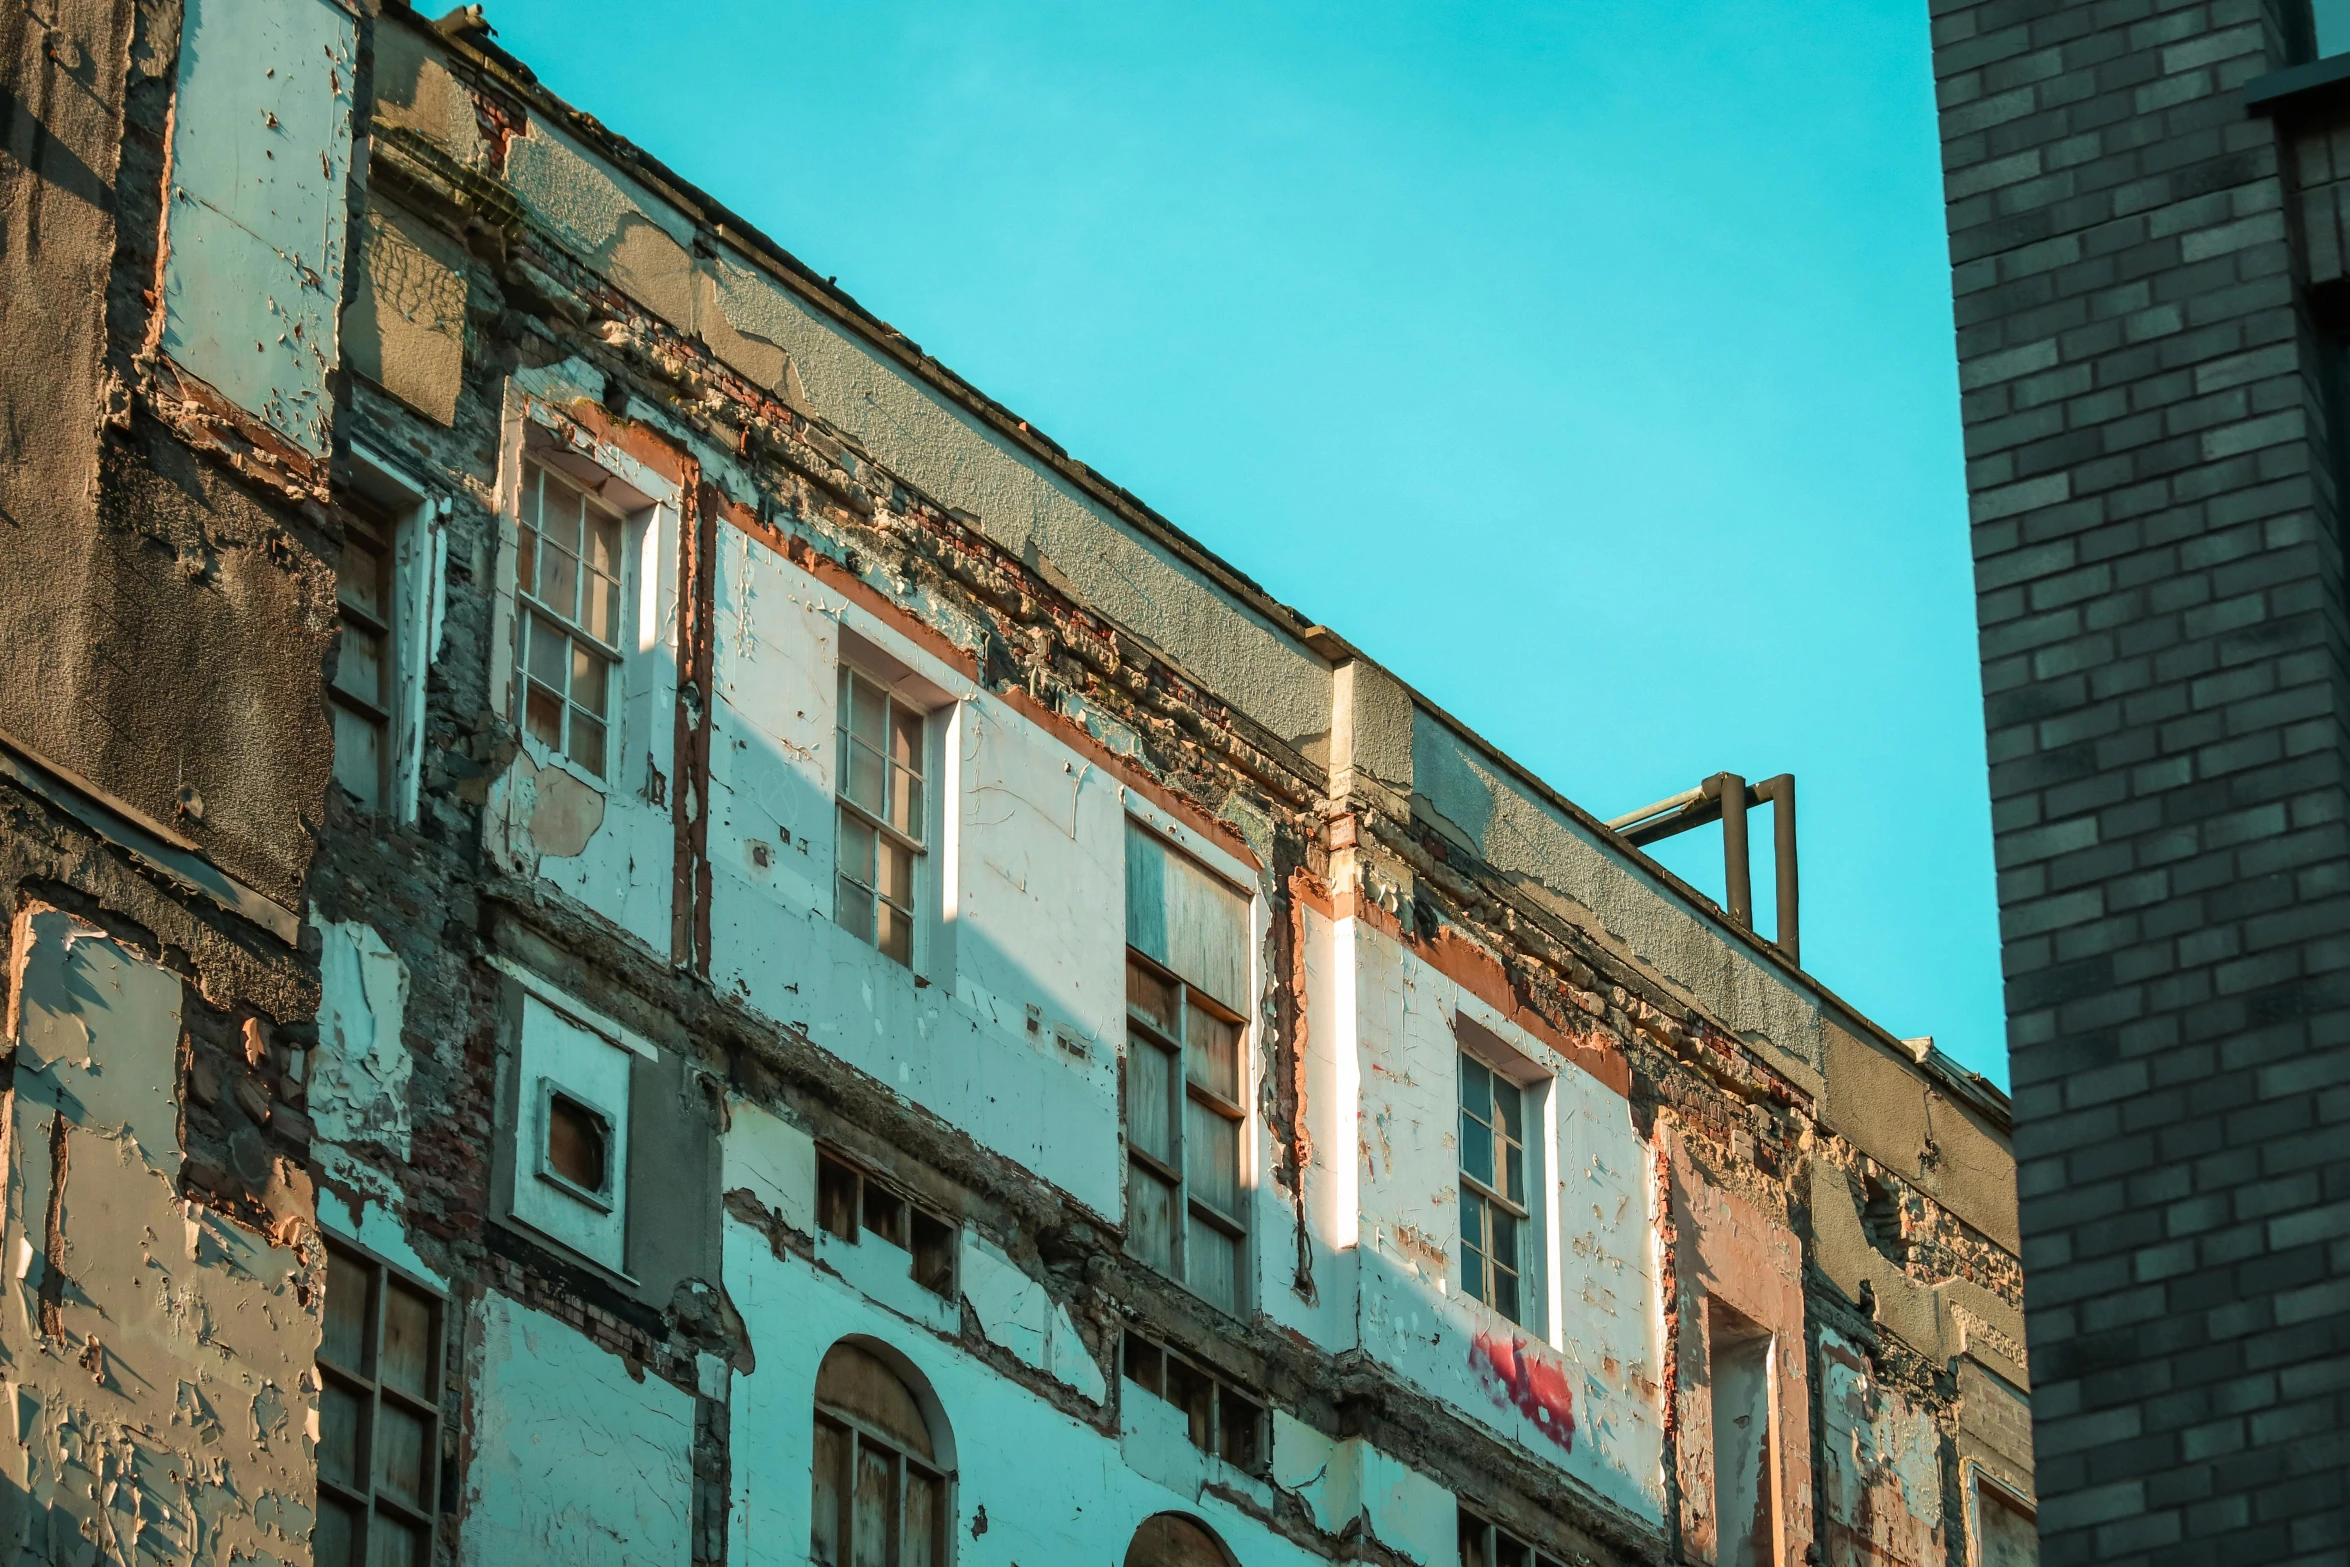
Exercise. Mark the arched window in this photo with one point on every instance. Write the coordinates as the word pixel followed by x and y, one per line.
pixel 1172 1540
pixel 880 1476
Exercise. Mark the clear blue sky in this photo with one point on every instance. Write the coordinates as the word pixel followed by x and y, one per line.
pixel 1588 364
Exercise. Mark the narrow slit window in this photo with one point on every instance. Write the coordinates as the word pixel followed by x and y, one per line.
pixel 567 620
pixel 379 1416
pixel 366 670
pixel 1187 968
pixel 1494 1210
pixel 880 805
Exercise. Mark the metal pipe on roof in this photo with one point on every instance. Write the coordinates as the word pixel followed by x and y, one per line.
pixel 1737 867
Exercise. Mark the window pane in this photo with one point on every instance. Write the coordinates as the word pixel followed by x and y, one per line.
pixel 602 541
pixel 1476 1149
pixel 549 652
pixel 853 909
pixel 1514 1176
pixel 543 716
pixel 1476 1088
pixel 863 776
pixel 905 737
pixel 400 1455
pixel 587 743
pixel 856 852
pixel 1212 1053
pixel 925 1514
pixel 836 1198
pixel 336 1541
pixel 1211 1157
pixel 599 609
pixel 895 862
pixel 1150 1218
pixel 559 512
pixel 534 479
pixel 1508 1110
pixel 587 680
pixel 905 802
pixel 1505 1294
pixel 831 1490
pixel 867 715
pixel 526 561
pixel 359 756
pixel 348 1313
pixel 407 1360
pixel 391 1543
pixel 359 664
pixel 894 935
pixel 559 581
pixel 1211 1264
pixel 1150 1098
pixel 342 1425
pixel 1151 997
pixel 870 1508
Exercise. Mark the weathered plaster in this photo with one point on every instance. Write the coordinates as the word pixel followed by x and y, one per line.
pixel 157 1356
pixel 576 1455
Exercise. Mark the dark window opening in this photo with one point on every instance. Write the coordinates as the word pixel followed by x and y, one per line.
pixel 1485 1544
pixel 579 1143
pixel 1221 1420
pixel 851 1204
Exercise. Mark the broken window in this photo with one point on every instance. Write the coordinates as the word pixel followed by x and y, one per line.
pixel 1493 1188
pixel 1485 1544
pixel 881 808
pixel 880 1488
pixel 366 671
pixel 1222 1420
pixel 850 1204
pixel 567 623
pixel 1745 1476
pixel 1186 968
pixel 571 1128
pixel 1173 1540
pixel 379 1416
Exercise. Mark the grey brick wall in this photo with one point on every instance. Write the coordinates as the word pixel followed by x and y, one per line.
pixel 2159 583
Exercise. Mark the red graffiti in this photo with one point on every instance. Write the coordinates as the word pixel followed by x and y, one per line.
pixel 1519 1377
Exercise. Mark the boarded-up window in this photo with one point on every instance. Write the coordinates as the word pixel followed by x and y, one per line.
pixel 879 1495
pixel 1186 920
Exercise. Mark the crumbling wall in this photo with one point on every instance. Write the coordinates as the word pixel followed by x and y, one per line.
pixel 157 1351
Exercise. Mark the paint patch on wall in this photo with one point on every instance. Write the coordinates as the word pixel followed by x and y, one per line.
pixel 260 153
pixel 1881 1477
pixel 159 1384
pixel 1518 1376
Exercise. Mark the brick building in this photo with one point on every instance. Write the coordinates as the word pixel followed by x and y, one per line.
pixel 2148 262
pixel 645 930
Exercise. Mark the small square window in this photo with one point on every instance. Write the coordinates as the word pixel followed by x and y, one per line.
pixel 577 1149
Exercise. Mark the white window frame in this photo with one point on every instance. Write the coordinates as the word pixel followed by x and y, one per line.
pixel 862 643
pixel 643 726
pixel 1493 1045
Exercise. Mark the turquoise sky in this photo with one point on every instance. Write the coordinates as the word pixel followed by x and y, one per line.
pixel 1590 365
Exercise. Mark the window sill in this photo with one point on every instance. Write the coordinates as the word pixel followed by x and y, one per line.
pixel 2298 91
